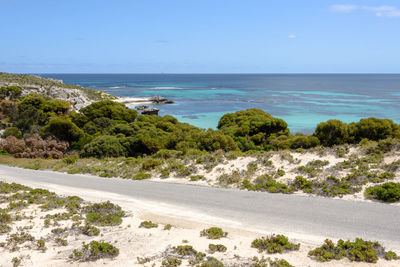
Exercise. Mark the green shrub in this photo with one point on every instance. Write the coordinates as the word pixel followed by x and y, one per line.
pixel 268 184
pixel 332 132
pixel 5 217
pixel 41 245
pixel 141 176
pixel 104 214
pixel 376 129
pixel 16 261
pixel 71 159
pixel 359 250
pixel 109 109
pixel 387 192
pixel 89 230
pixel 149 164
pixel 94 251
pixel 185 250
pixel 148 224
pixel 216 248
pixel 213 140
pixel 4 228
pixel 12 131
pixel 60 241
pixel 10 92
pixel 104 146
pixel 251 128
pixel 390 255
pixel 213 233
pixel 62 128
pixel 167 227
pixel 171 262
pixel 274 244
pixel 197 177
pixel 211 262
pixel 279 263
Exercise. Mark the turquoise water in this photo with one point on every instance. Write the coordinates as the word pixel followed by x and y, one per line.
pixel 301 100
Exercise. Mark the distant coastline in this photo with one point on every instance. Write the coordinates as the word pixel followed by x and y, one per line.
pixel 302 100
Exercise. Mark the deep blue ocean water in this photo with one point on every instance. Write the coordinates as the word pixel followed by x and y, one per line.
pixel 302 100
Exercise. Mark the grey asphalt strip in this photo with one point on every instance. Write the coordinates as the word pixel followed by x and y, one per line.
pixel 289 213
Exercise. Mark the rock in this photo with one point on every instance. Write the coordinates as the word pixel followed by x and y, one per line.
pixel 150 111
pixel 160 100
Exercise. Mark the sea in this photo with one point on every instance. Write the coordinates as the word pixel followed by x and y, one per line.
pixel 302 100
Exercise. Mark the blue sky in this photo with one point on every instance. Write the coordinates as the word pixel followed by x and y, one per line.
pixel 200 36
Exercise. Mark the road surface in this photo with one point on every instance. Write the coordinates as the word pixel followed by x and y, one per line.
pixel 278 213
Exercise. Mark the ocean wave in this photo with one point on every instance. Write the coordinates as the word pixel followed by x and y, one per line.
pixel 115 87
pixel 164 88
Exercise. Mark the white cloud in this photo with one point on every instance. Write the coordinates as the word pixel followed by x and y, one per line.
pixel 292 36
pixel 384 11
pixel 343 8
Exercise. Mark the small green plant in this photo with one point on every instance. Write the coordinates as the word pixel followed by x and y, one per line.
pixel 359 250
pixel 143 260
pixel 213 233
pixel 60 241
pixel 16 261
pixel 274 244
pixel 167 227
pixel 387 192
pixel 217 248
pixel 94 251
pixel 4 228
pixel 41 245
pixel 279 263
pixel 104 214
pixel 211 262
pixel 171 262
pixel 266 183
pixel 197 177
pixel 89 230
pixel 141 176
pixel 185 250
pixel 390 255
pixel 148 224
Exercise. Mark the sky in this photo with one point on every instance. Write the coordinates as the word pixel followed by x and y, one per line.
pixel 200 36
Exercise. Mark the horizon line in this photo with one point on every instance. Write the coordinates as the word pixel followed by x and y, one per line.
pixel 218 73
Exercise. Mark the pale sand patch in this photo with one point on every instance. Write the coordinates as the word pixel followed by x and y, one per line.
pixel 136 242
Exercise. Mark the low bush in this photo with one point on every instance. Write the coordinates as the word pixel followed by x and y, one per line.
pixel 217 248
pixel 359 250
pixel 390 255
pixel 167 227
pixel 387 192
pixel 171 262
pixel 41 245
pixel 268 184
pixel 213 233
pixel 148 224
pixel 89 230
pixel 185 250
pixel 141 176
pixel 274 244
pixel 60 241
pixel 94 251
pixel 104 214
pixel 211 262
pixel 34 147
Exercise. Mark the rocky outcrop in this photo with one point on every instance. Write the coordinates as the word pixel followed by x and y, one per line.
pixel 79 97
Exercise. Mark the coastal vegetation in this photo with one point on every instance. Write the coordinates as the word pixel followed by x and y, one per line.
pixel 358 250
pixel 108 139
pixel 48 226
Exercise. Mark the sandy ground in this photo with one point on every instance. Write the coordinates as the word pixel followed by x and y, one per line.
pixel 289 162
pixel 135 242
